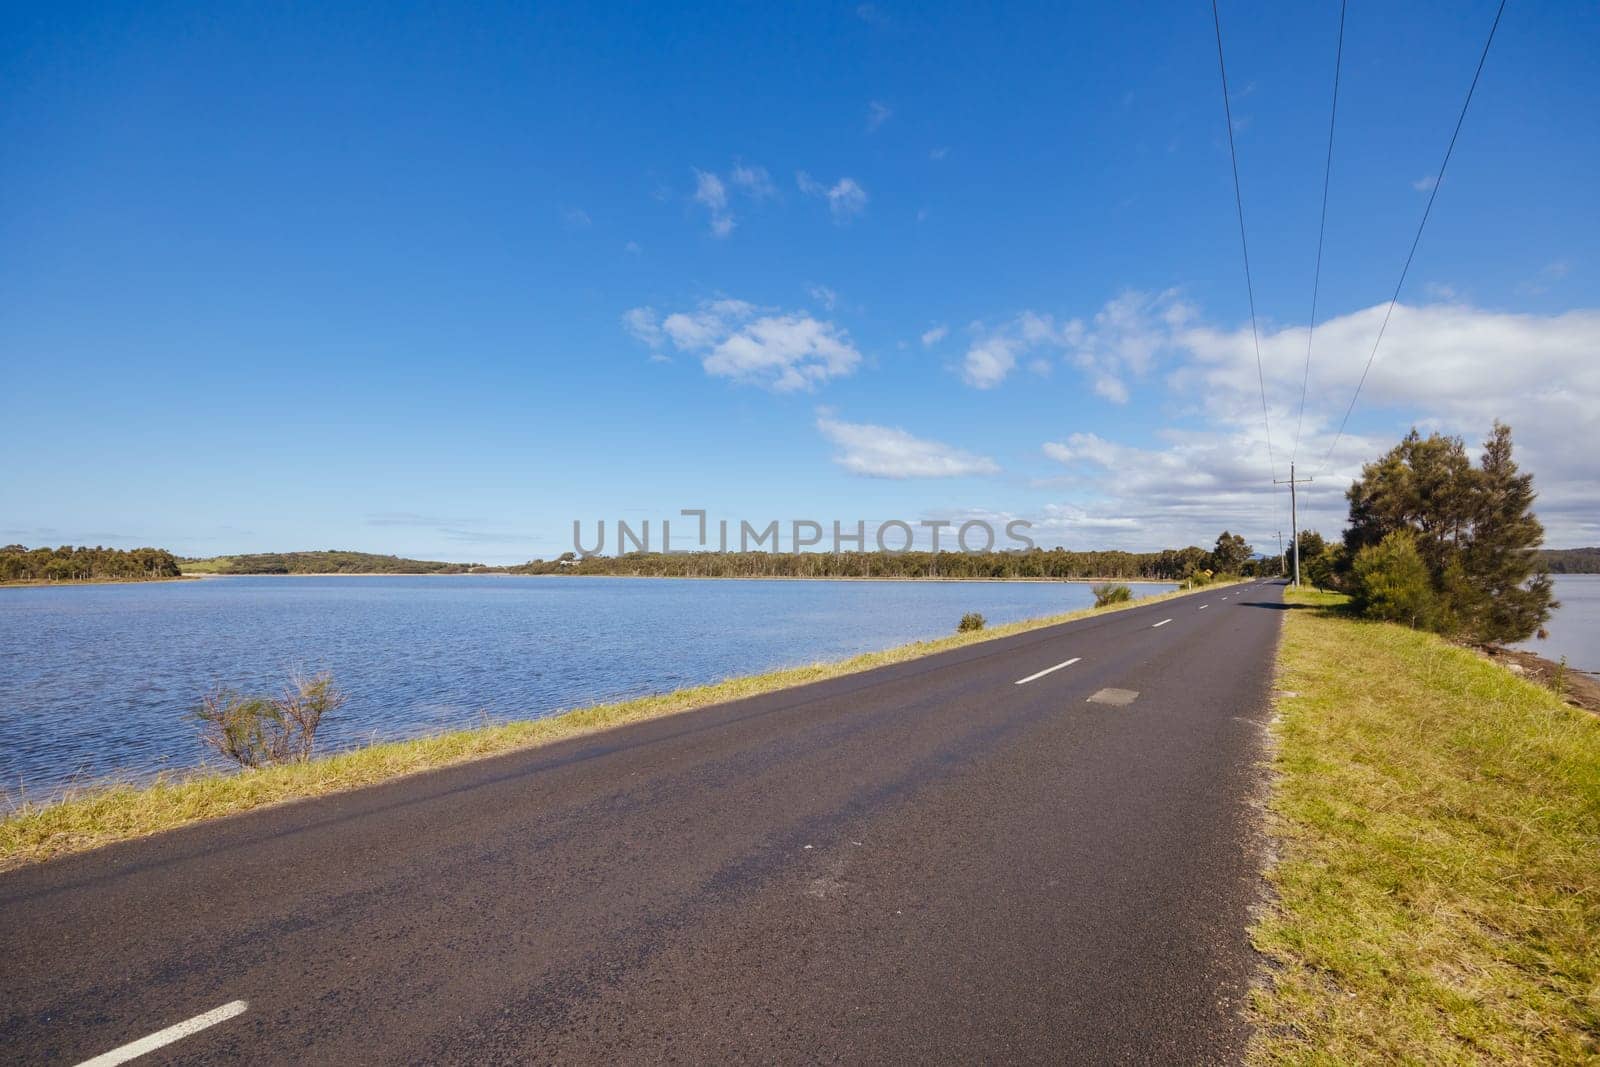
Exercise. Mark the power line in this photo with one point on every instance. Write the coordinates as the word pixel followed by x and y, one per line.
pixel 1238 203
pixel 1438 181
pixel 1322 229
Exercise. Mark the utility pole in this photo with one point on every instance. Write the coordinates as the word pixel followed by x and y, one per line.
pixel 1294 519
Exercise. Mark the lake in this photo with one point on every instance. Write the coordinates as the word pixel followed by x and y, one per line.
pixel 1575 629
pixel 96 680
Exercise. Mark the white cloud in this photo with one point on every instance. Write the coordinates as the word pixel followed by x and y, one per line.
pixel 1122 340
pixel 781 351
pixel 846 198
pixel 753 181
pixel 644 325
pixel 890 452
pixel 713 194
pixel 711 191
pixel 877 114
pixel 575 218
pixel 824 296
pixel 934 335
pixel 988 362
pixel 1425 184
pixel 1449 367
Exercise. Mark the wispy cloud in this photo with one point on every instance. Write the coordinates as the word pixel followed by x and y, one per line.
pixel 873 15
pixel 890 452
pixel 846 198
pixel 780 351
pixel 934 334
pixel 877 114
pixel 753 181
pixel 710 192
pixel 1425 184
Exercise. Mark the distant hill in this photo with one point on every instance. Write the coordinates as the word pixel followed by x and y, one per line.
pixel 329 562
pixel 1572 560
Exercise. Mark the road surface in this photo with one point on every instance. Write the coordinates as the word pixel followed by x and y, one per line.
pixel 960 858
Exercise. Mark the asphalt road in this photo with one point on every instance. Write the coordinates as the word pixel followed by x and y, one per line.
pixel 926 862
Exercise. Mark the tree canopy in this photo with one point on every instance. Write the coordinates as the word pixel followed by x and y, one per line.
pixel 82 564
pixel 1472 528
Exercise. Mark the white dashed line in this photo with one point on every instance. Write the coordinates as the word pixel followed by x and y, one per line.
pixel 162 1038
pixel 1047 670
pixel 1163 622
pixel 1204 606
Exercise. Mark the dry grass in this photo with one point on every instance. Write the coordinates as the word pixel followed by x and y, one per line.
pixel 117 812
pixel 1438 893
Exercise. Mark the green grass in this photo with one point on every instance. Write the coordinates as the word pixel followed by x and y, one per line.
pixel 106 813
pixel 1437 893
pixel 214 565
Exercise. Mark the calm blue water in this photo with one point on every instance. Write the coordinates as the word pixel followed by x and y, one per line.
pixel 95 680
pixel 1575 629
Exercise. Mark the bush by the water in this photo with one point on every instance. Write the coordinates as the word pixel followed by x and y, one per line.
pixel 970 621
pixel 258 731
pixel 1392 583
pixel 1440 544
pixel 1114 593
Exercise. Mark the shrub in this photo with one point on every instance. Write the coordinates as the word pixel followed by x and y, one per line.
pixel 1116 593
pixel 256 731
pixel 1392 582
pixel 969 622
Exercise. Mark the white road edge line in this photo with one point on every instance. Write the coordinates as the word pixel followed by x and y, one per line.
pixel 162 1038
pixel 1047 670
pixel 1204 606
pixel 1163 622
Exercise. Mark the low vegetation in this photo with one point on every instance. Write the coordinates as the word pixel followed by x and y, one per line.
pixel 1571 560
pixel 329 562
pixel 261 731
pixel 969 622
pixel 1437 896
pixel 1106 595
pixel 117 812
pixel 1231 555
pixel 80 564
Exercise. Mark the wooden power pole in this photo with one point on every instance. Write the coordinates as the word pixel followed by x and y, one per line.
pixel 1294 518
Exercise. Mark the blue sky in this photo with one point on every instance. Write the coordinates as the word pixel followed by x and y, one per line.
pixel 438 280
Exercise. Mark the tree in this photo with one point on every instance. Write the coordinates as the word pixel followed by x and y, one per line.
pixel 1311 546
pixel 1230 554
pixel 1513 591
pixel 1392 582
pixel 1424 485
pixel 1473 529
pixel 1328 568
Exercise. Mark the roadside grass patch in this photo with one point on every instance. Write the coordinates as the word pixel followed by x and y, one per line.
pixel 1437 897
pixel 107 812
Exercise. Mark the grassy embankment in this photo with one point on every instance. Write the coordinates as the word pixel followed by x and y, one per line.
pixel 105 813
pixel 1437 897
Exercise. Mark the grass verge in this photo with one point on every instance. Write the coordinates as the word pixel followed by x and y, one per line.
pixel 1438 889
pixel 102 814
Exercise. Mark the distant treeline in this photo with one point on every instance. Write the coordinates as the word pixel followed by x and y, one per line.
pixel 1167 565
pixel 81 564
pixel 329 562
pixel 1571 560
